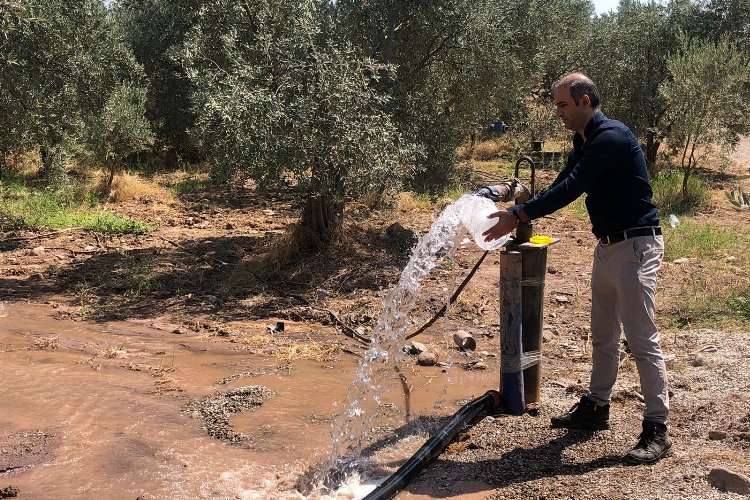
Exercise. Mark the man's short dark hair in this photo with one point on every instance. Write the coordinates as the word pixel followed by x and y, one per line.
pixel 579 84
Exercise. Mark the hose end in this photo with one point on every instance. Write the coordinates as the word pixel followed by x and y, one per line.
pixel 497 399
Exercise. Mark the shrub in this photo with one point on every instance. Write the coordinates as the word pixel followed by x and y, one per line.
pixel 669 198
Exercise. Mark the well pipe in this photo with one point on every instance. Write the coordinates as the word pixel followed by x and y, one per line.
pixel 526 229
pixel 511 334
pixel 488 403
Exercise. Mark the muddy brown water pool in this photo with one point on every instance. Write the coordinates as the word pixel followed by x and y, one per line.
pixel 103 411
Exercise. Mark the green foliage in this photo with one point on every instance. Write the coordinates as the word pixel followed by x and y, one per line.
pixel 138 275
pixel 713 293
pixel 189 185
pixel 458 65
pixel 627 59
pixel 701 239
pixel 279 99
pixel 120 129
pixel 578 208
pixel 25 208
pixel 670 198
pixel 707 99
pixel 156 31
pixel 66 64
pixel 700 304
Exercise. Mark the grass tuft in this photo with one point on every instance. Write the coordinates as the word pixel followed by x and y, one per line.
pixel 24 208
pixel 126 187
pixel 698 239
pixel 668 195
pixel 715 291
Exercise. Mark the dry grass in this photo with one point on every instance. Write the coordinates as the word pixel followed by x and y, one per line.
pixel 288 350
pixel 127 187
pixel 26 163
pixel 47 343
pixel 486 150
pixel 409 202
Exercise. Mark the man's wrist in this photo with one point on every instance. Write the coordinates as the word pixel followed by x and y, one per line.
pixel 519 213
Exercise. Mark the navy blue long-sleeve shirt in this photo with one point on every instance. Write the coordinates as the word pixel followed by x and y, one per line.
pixel 611 169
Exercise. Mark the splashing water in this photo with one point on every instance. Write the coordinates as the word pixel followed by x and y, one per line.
pixel 380 362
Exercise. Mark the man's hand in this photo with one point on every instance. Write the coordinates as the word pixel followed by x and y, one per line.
pixel 506 222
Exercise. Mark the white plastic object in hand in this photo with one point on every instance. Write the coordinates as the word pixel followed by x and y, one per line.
pixel 474 218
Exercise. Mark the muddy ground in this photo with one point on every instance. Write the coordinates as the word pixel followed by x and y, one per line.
pixel 215 270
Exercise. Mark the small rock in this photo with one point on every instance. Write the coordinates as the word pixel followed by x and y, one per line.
pixel 320 294
pixel 402 238
pixel 229 225
pixel 552 270
pixel 717 435
pixel 427 359
pixel 731 482
pixel 562 299
pixel 731 258
pixel 682 260
pixel 418 347
pixel 38 250
pixel 278 327
pixel 9 492
pixel 479 366
pixel 698 360
pixel 212 299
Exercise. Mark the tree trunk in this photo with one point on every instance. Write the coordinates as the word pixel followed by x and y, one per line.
pixel 3 160
pixel 110 178
pixel 53 166
pixel 46 157
pixel 652 150
pixel 321 218
pixel 687 165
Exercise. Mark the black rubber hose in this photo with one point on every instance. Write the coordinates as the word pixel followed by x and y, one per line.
pixel 435 445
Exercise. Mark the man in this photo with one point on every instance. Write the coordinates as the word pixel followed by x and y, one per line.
pixel 607 164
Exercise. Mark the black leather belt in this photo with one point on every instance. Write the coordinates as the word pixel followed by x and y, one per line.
pixel 630 233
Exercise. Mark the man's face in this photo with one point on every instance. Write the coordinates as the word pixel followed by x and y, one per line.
pixel 574 116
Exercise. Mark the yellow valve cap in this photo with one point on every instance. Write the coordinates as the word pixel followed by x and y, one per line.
pixel 540 239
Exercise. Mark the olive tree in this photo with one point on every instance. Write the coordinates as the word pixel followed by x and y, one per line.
pixel 156 30
pixel 707 97
pixel 120 129
pixel 628 63
pixel 66 64
pixel 452 70
pixel 279 99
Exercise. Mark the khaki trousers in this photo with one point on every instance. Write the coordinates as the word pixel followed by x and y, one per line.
pixel 623 288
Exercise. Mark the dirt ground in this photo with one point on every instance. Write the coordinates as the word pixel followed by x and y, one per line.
pixel 212 270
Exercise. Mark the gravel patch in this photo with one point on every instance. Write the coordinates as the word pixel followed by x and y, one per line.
pixel 523 457
pixel 215 411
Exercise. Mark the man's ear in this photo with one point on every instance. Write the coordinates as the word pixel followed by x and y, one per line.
pixel 586 100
